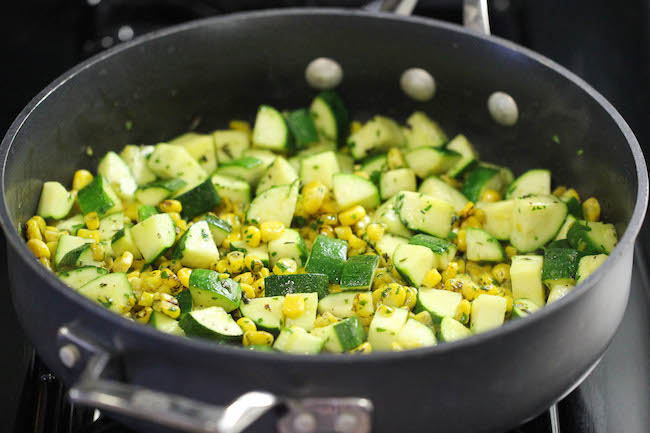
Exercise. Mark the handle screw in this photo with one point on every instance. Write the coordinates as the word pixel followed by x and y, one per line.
pixel 69 355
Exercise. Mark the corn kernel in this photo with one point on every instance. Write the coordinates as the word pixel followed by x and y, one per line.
pixel 356 243
pixel 501 272
pixel 131 211
pixel 327 231
pixel 264 272
pixel 172 265
pixel 285 266
pixel 294 305
pixel 362 348
pixel 411 297
pixel 396 347
pixel 462 311
pixel 343 232
pixel 466 211
pixel 450 272
pixel 245 278
pixel 253 263
pixel 352 215
pixel 146 299
pixel 143 315
pixel 432 278
pixel 559 190
pixel 52 247
pixel 393 295
pixel 170 309
pixel 329 206
pixel 395 159
pixel 509 302
pixel 51 234
pixel 222 266
pixel 325 319
pixel 168 206
pixel 271 230
pixel 33 230
pixel 329 219
pixel 38 248
pixel 261 338
pixel 88 234
pixel 183 275
pixel 240 125
pixel 46 263
pixel 485 279
pixel 246 324
pixel 232 237
pixel 223 276
pixel 235 262
pixel 479 214
pixel 571 193
pixel 98 251
pixel 362 305
pixel 490 196
pixel 375 232
pixel 362 174
pixel 248 290
pixel 252 236
pixel 92 220
pixel 424 317
pixel 313 195
pixel 123 263
pixel 81 179
pixel 511 251
pixel 259 286
pixel 471 221
pixel 461 240
pixel 355 125
pixel 591 209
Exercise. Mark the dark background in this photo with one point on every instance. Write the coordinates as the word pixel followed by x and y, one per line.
pixel 605 42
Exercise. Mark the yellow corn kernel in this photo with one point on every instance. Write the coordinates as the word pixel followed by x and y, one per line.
pixel 168 206
pixel 362 305
pixel 509 303
pixel 392 295
pixel 432 278
pixel 254 338
pixel 501 272
pixel 461 240
pixel 133 274
pixel 271 230
pixel 88 234
pixel 252 263
pixel 479 214
pixel 245 278
pixel 81 179
pixel 375 232
pixel 98 250
pixel 362 348
pixel 511 251
pixel 313 195
pixel 424 317
pixel 395 159
pixel 471 221
pixel 362 174
pixel 143 315
pixel 411 297
pixel 146 299
pixel 183 275
pixel 252 236
pixel 343 232
pixel 51 234
pixel 559 190
pixel 450 272
pixel 264 272
pixel 485 279
pixel 123 263
pixel 33 230
pixel 52 247
pixel 222 266
pixel 246 324
pixel 591 209
pixel 462 311
pixel 235 262
pixel 329 219
pixel 490 195
pixel 329 205
pixel 352 215
pixel 240 125
pixel 41 223
pixel 38 248
pixel 355 125
pixel 46 263
pixel 170 309
pixel 131 211
pixel 285 266
pixel 294 305
pixel 92 220
pixel 356 243
pixel 232 237
pixel 223 276
pixel 396 347
pixel 466 211
pixel 152 283
pixel 172 265
pixel 571 193
pixel 248 291
pixel 325 319
pixel 259 287
pixel 327 231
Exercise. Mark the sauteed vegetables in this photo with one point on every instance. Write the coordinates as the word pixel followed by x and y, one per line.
pixel 311 233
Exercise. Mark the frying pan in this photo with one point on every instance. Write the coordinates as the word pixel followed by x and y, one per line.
pixel 206 72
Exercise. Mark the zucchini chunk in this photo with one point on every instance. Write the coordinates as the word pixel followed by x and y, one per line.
pixel 112 291
pixel 289 245
pixel 123 241
pixel 76 278
pixel 523 307
pixel 135 157
pixel 482 246
pixel 378 135
pixel 212 323
pixel 414 335
pixel 208 290
pixel 196 248
pixel 385 327
pixel 98 196
pixel 452 330
pixel 303 128
pixel 298 341
pixel 118 174
pixel 65 244
pixel 266 312
pixel 174 162
pixel 424 131
pixel 443 250
pixel 342 336
pixel 109 225
pixel 319 167
pixel 275 204
pixel 308 317
pixel 280 285
pixel 537 182
pixel 153 236
pixel 219 228
pixel 427 161
pixel 592 238
pixel 271 131
pixel 437 188
pixel 199 200
pixel 359 272
pixel 145 212
pixel 564 230
pixel 153 193
pixel 536 220
pixel 426 214
pixel 469 156
pixel 498 218
pixel 351 190
pixel 185 300
pixel 488 312
pixel 55 202
pixel 588 265
pixel 387 245
pixel 330 116
pixel 261 251
pixel 374 166
pixel 439 303
pixel 340 304
pixel 413 262
pixel 235 190
pixel 560 264
pixel 481 179
pixel 200 147
pixel 389 218
pixel 72 224
pixel 394 181
pixel 247 168
pixel 526 278
pixel 230 144
pixel 166 324
pixel 280 172
pixel 327 257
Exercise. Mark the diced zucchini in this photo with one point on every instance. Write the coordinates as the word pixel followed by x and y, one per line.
pixel 261 251
pixel 211 323
pixel 208 290
pixel 76 278
pixel 280 172
pixel 526 278
pixel 271 131
pixel 153 236
pixel 275 204
pixel 351 190
pixel 55 202
pixel 481 179
pixel 200 147
pixel 153 193
pixel 424 131
pixel 536 220
pixel 414 335
pixel 439 303
pixel 592 237
pixel 145 212
pixel 110 224
pixel 98 196
pixel 346 162
pixel 488 312
pixel 247 168
pixel 66 244
pixel 174 162
pixel 319 167
pixel 266 156
pixel 385 327
pixel 289 245
pixel 378 135
pixel 199 200
pixel 330 116
pixel 443 250
pixel 394 181
pixel 560 264
pixel 302 128
pixel 413 262
pixel 389 218
pixel 266 312
pixel 112 291
pixel 423 213
pixel 437 188
pixel 235 190
pixel 307 318
pixel 564 230
pixel 374 166
pixel 327 257
pixel 359 272
pixel 298 341
pixel 498 218
pixel 219 228
pixel 185 300
pixel 230 144
pixel 469 156
pixel 322 146
pixel 136 158
pixel 280 285
pixel 123 241
pixel 166 324
pixel 196 248
pixel 387 245
pixel 523 307
pixel 558 291
pixel 342 336
pixel 588 265
pixel 427 161
pixel 482 246
pixel 537 182
pixel 452 330
pixel 340 304
pixel 72 224
pixel 118 175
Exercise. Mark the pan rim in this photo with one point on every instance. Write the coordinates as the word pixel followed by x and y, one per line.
pixel 626 241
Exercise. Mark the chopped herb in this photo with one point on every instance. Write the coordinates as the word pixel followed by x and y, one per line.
pixel 380 329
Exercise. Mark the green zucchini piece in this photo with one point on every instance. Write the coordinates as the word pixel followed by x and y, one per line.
pixel 55 202
pixel 443 250
pixel 359 272
pixel 351 190
pixel 280 172
pixel 289 245
pixel 208 290
pixel 303 128
pixel 275 204
pixel 266 312
pixel 200 147
pixel 261 251
pixel 424 131
pixel 298 341
pixel 340 304
pixel 592 237
pixel 153 236
pixel 271 131
pixel 98 196
pixel 377 135
pixel 175 162
pixel 196 248
pixel 145 212
pixel 482 246
pixel 247 168
pixel 537 182
pixel 136 158
pixel 230 144
pixel 536 220
pixel 588 265
pixel 560 264
pixel 327 257
pixel 185 300
pixel 153 193
pixel 558 291
pixel 414 335
pixel 166 324
pixel 526 278
pixel 452 330
pixel 394 181
pixel 570 219
pixel 118 174
pixel 319 167
pixel 235 190
pixel 438 303
pixel 413 262
pixel 199 200
pixel 342 336
pixel 389 218
pixel 385 327
pixel 346 162
pixel 280 285
pixel 437 188
pixel 123 241
pixel 479 180
pixel 308 317
pixel 212 323
pixel 330 116
pixel 427 161
pixel 574 207
pixel 498 218
pixel 112 291
pixel 72 224
pixel 488 312
pixel 523 307
pixel 109 225
pixel 387 245
pixel 469 156
pixel 79 257
pixel 426 214
pixel 65 244
pixel 374 166
pixel 76 278
pixel 219 228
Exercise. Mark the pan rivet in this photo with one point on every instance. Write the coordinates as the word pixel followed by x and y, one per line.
pixel 304 423
pixel 503 108
pixel 323 73
pixel 346 422
pixel 69 355
pixel 418 84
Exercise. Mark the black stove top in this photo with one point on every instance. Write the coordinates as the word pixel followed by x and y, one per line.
pixel 44 38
